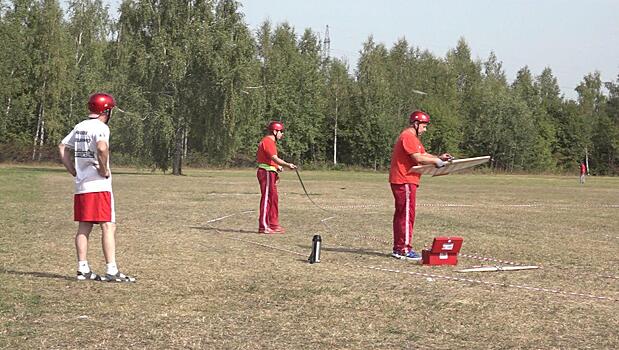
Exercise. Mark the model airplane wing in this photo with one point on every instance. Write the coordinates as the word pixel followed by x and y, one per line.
pixel 450 166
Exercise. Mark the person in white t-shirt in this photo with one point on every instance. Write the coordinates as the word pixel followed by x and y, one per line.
pixel 93 201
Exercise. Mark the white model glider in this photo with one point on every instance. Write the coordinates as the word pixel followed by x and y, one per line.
pixel 450 166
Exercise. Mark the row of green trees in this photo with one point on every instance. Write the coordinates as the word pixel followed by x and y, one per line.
pixel 198 86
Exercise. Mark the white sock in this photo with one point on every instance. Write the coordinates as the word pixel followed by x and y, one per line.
pixel 82 266
pixel 111 268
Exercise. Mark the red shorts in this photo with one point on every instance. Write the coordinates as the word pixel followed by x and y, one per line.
pixel 94 207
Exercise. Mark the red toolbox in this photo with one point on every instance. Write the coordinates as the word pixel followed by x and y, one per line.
pixel 444 251
pixel 444 244
pixel 429 258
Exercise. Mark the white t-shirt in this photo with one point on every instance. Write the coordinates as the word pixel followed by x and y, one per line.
pixel 83 140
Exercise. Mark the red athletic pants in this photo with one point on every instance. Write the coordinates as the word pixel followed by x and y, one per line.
pixel 404 216
pixel 269 211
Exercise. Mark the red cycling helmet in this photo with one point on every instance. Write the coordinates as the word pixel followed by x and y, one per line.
pixel 419 116
pixel 101 102
pixel 276 126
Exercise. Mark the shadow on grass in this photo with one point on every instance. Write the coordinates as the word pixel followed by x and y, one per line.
pixel 347 250
pixel 38 274
pixel 223 229
pixel 361 251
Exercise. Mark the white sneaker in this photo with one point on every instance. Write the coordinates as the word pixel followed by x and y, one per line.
pixel 411 255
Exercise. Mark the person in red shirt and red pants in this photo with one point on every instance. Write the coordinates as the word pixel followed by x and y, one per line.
pixel 269 164
pixel 407 152
pixel 583 172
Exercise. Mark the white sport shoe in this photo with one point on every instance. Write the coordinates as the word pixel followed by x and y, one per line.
pixel 411 255
pixel 118 277
pixel 88 276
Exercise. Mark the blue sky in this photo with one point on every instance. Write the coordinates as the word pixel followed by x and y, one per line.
pixel 571 37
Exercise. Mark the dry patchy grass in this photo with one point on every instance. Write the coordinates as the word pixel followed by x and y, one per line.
pixel 218 285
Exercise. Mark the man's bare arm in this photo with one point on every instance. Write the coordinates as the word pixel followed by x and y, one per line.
pixel 103 154
pixel 282 162
pixel 65 157
pixel 427 159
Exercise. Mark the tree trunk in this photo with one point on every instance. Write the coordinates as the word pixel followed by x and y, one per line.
pixel 8 103
pixel 42 135
pixel 185 135
pixel 335 134
pixel 71 106
pixel 8 107
pixel 38 133
pixel 178 150
pixel 40 124
pixel 587 160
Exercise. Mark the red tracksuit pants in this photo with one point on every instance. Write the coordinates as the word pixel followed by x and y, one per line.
pixel 404 216
pixel 269 212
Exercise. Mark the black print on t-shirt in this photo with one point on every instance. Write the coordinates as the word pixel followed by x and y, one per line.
pixel 82 145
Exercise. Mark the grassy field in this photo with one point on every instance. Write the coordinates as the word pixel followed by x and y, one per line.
pixel 207 280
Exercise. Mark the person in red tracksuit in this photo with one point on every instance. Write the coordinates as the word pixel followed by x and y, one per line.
pixel 583 172
pixel 407 152
pixel 269 164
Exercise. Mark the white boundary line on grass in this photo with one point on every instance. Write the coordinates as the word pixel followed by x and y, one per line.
pixel 459 205
pixel 243 240
pixel 470 256
pixel 474 256
pixel 227 216
pixel 530 205
pixel 362 206
pixel 481 258
pixel 498 284
pixel 607 276
pixel 430 275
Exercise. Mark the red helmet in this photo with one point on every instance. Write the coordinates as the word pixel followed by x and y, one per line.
pixel 101 102
pixel 276 126
pixel 419 116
